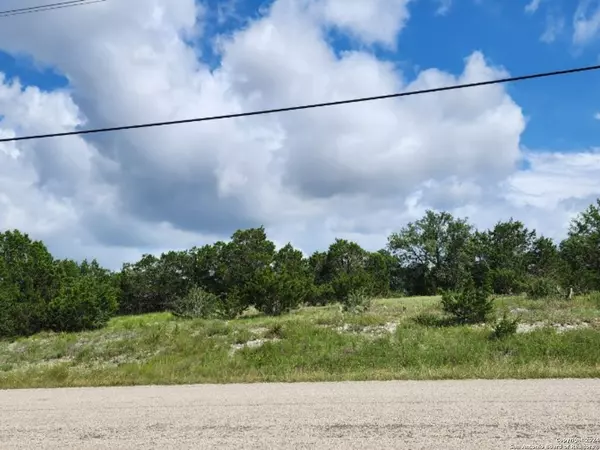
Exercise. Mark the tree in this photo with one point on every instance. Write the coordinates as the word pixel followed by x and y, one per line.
pixel 28 282
pixel 87 302
pixel 395 275
pixel 208 267
pixel 433 251
pixel 581 250
pixel 139 288
pixel 323 290
pixel 506 253
pixel 544 259
pixel 378 267
pixel 39 293
pixel 242 263
pixel 346 269
pixel 285 285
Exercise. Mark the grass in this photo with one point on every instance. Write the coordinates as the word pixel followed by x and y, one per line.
pixel 311 344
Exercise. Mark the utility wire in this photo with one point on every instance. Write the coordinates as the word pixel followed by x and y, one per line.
pixel 309 106
pixel 49 7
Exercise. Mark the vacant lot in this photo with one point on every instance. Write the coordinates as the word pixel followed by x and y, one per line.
pixel 397 339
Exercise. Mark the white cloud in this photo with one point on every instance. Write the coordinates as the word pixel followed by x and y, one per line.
pixel 356 171
pixel 597 116
pixel 544 185
pixel 443 7
pixel 532 6
pixel 373 21
pixel 586 21
pixel 554 27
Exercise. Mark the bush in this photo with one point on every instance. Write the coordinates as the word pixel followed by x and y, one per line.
pixel 321 295
pixel 541 287
pixel 505 281
pixel 504 327
pixel 276 293
pixel 84 304
pixel 357 301
pixel 426 319
pixel 231 304
pixel 197 304
pixel 468 305
pixel 345 284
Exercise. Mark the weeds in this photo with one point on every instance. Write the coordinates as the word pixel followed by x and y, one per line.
pixel 504 327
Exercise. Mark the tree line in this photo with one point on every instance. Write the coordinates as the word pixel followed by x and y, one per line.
pixel 436 254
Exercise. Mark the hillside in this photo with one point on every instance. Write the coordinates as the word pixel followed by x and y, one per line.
pixel 402 338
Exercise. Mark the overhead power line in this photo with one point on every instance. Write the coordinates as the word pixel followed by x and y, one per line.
pixel 309 106
pixel 49 7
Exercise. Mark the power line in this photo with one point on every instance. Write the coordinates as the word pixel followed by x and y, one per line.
pixel 49 7
pixel 309 106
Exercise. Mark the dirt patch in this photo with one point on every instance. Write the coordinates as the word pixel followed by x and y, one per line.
pixel 559 327
pixel 371 331
pixel 256 343
pixel 259 331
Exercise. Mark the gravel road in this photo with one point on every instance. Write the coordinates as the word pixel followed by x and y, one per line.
pixel 507 414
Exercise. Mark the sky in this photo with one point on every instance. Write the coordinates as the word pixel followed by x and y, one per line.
pixel 528 150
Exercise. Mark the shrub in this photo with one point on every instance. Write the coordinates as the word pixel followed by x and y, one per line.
pixel 84 304
pixel 426 319
pixel 231 304
pixel 357 301
pixel 540 287
pixel 197 304
pixel 504 327
pixel 469 304
pixel 276 293
pixel 505 281
pixel 345 284
pixel 275 331
pixel 321 295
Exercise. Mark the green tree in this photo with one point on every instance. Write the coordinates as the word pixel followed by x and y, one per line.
pixel 140 291
pixel 39 293
pixel 346 269
pixel 239 266
pixel 378 267
pixel 85 303
pixel 323 291
pixel 208 267
pixel 434 252
pixel 28 282
pixel 285 285
pixel 544 259
pixel 580 251
pixel 395 275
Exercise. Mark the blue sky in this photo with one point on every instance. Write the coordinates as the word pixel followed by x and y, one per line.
pixel 525 150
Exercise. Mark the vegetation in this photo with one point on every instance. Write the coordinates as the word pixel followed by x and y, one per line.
pixel 314 344
pixel 205 291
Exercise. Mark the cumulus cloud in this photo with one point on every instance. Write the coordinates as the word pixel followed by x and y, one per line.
pixel 375 21
pixel 356 171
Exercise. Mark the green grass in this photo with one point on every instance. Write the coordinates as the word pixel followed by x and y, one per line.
pixel 310 344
